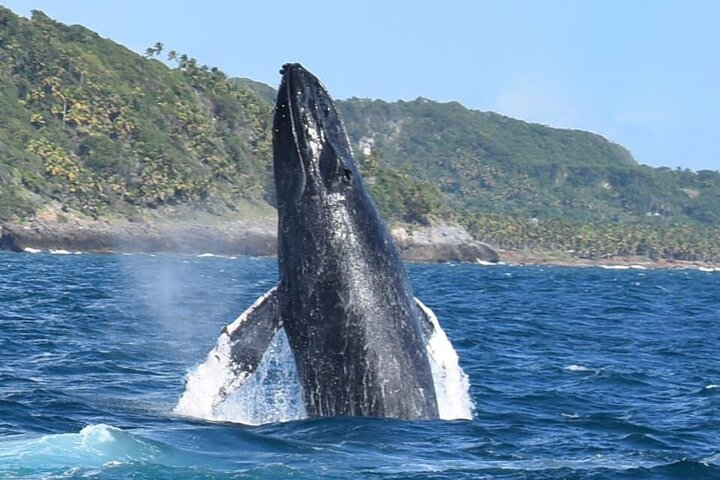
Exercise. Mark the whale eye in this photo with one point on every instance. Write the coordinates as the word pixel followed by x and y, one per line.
pixel 347 175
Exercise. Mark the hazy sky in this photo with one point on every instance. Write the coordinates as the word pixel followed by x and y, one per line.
pixel 643 73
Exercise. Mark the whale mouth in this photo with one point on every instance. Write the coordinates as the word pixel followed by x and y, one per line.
pixel 308 104
pixel 288 162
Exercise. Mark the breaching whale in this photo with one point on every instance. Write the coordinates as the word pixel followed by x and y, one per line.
pixel 359 338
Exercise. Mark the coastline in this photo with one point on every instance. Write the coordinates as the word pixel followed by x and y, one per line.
pixel 562 259
pixel 258 237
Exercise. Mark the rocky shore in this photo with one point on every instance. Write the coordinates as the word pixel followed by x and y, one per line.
pixel 438 243
pixel 543 257
pixel 441 242
pixel 105 237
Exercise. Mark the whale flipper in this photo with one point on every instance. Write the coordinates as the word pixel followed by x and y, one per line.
pixel 243 343
pixel 251 333
pixel 237 354
pixel 428 320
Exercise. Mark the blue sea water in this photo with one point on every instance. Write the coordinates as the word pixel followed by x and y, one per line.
pixel 574 372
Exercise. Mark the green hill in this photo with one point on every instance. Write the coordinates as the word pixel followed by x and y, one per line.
pixel 98 130
pixel 523 185
pixel 502 165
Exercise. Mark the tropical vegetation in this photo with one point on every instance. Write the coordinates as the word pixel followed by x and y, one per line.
pixel 101 131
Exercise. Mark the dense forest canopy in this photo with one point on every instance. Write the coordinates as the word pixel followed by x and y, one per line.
pixel 102 131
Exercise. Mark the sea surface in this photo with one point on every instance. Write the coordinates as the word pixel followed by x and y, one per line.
pixel 580 373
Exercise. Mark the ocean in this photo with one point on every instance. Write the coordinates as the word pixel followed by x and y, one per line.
pixel 583 373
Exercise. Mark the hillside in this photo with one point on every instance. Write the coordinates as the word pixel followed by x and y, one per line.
pixel 496 164
pixel 503 165
pixel 89 124
pixel 91 129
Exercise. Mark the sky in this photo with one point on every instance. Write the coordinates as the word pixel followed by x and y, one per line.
pixel 642 73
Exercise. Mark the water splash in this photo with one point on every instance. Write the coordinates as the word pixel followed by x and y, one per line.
pixel 452 386
pixel 215 391
pixel 271 394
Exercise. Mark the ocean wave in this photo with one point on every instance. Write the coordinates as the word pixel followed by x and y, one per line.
pixel 575 374
pixel 95 446
pixel 711 389
pixel 105 451
pixel 577 368
pixel 551 468
pixel 216 255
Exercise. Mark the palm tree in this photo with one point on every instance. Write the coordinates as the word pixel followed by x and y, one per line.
pixel 183 61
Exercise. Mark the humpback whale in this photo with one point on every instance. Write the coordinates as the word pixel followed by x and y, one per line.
pixel 359 338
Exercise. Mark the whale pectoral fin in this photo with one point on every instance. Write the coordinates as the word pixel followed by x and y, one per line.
pixel 244 341
pixel 428 320
pixel 251 333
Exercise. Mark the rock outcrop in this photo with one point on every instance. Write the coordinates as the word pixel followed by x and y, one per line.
pixel 232 238
pixel 438 243
pixel 442 243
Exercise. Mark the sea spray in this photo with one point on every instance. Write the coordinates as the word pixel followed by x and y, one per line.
pixel 452 386
pixel 215 391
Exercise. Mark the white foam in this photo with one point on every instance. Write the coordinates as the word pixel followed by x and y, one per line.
pixel 452 386
pixel 573 416
pixel 577 368
pixel 32 250
pixel 216 255
pixel 615 267
pixel 93 447
pixel 712 386
pixel 203 386
pixel 272 393
pixel 60 252
pixel 214 391
pixel 217 392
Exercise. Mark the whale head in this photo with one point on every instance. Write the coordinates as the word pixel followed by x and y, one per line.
pixel 311 153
